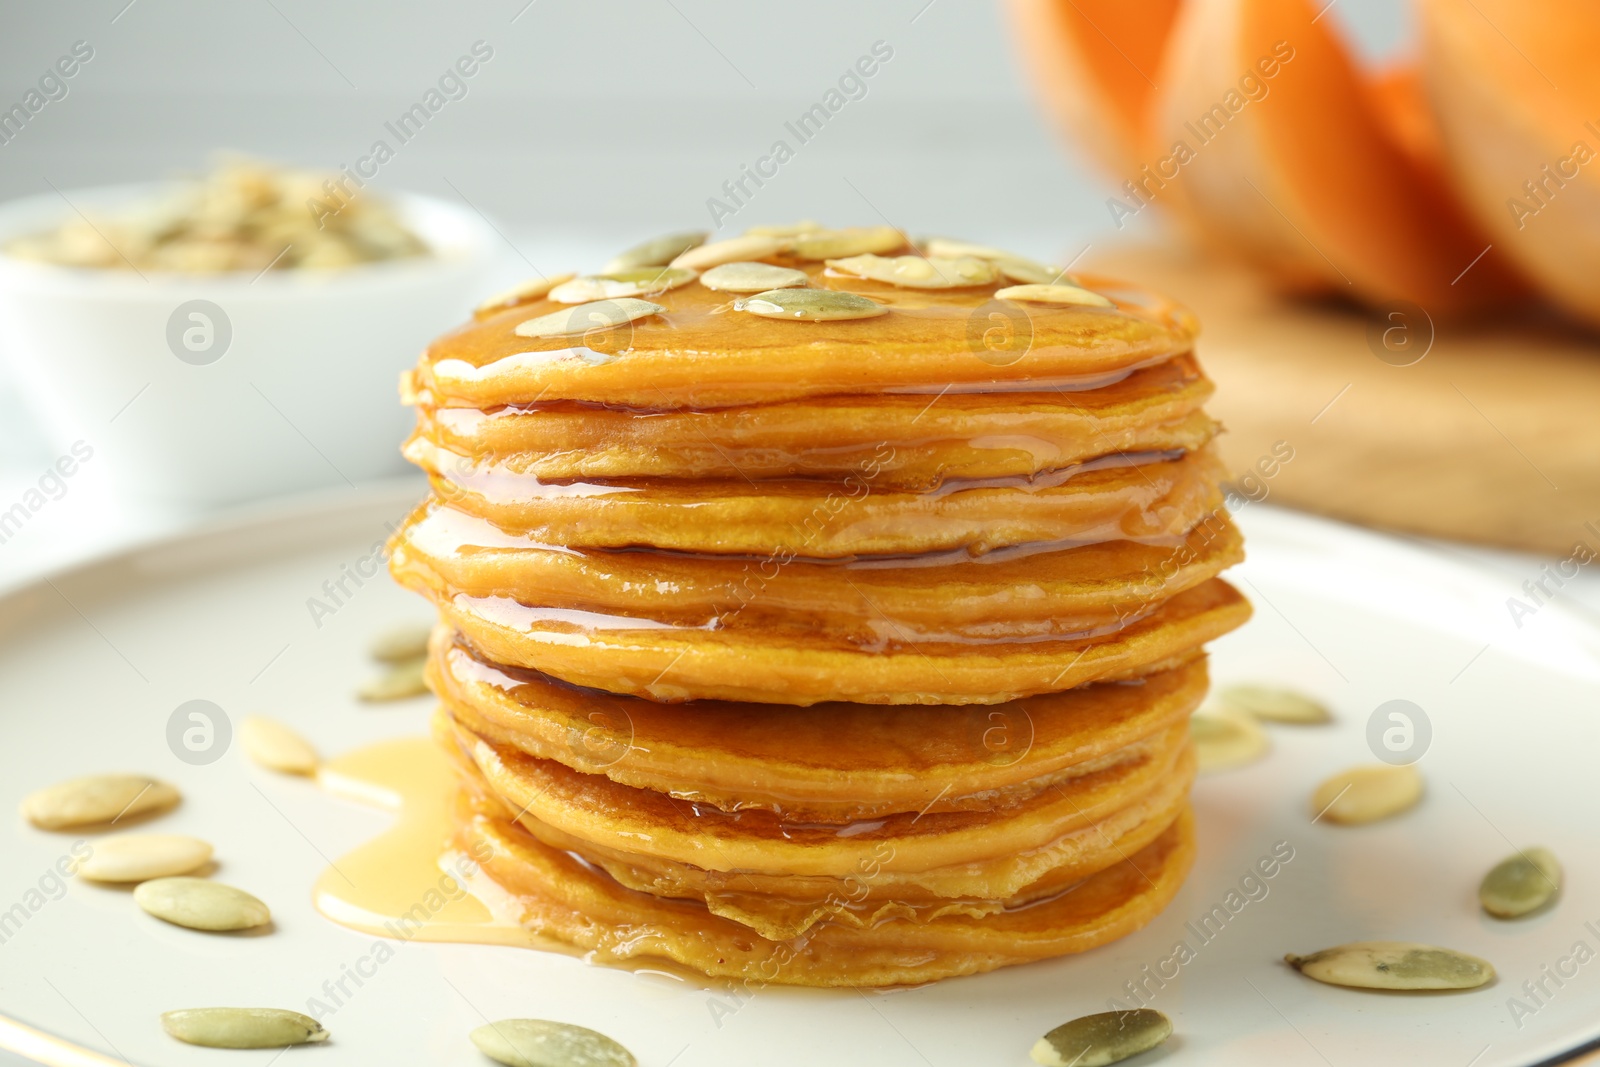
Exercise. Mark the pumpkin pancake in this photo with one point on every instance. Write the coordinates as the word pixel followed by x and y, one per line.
pixel 704 352
pixel 838 635
pixel 672 663
pixel 558 895
pixel 836 763
pixel 906 441
pixel 1138 498
pixel 607 815
pixel 1029 593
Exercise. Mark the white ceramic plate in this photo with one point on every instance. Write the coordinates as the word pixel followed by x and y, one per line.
pixel 96 660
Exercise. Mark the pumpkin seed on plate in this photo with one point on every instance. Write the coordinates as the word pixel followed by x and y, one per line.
pixel 201 904
pixel 1521 884
pixel 525 293
pixel 276 746
pixel 918 272
pixel 810 305
pixel 1225 738
pixel 1053 294
pixel 1367 793
pixel 831 244
pixel 752 278
pixel 401 643
pixel 1108 1037
pixel 733 250
pixel 635 281
pixel 1275 704
pixel 242 1027
pixel 581 318
pixel 1393 965
pixel 97 799
pixel 657 252
pixel 541 1043
pixel 141 857
pixel 400 682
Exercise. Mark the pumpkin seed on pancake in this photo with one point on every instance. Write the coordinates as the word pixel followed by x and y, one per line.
pixel 701 357
pixel 657 252
pixel 1053 294
pixel 731 250
pixel 752 278
pixel 918 272
pixel 831 244
pixel 635 281
pixel 810 305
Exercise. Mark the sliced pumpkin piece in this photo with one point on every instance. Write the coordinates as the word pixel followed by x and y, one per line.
pixel 1293 167
pixel 1095 63
pixel 1517 93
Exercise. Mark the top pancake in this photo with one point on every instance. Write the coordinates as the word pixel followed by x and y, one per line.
pixel 702 353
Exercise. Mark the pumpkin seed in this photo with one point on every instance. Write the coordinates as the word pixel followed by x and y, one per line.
pixel 276 746
pixel 1108 1037
pixel 657 252
pixel 525 293
pixel 810 305
pixel 96 799
pixel 540 1043
pixel 401 643
pixel 403 681
pixel 1027 272
pixel 733 250
pixel 581 318
pixel 833 244
pixel 1053 294
pixel 919 272
pixel 636 281
pixel 792 229
pixel 1521 884
pixel 1367 793
pixel 1274 704
pixel 1225 738
pixel 140 857
pixel 1393 965
pixel 200 904
pixel 1014 267
pixel 242 1027
pixel 752 278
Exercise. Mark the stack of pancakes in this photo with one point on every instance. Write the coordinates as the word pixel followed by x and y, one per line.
pixel 824 651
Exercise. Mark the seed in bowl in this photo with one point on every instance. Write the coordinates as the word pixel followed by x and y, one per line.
pixel 242 216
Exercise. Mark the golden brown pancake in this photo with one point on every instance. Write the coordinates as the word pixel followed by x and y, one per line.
pixel 560 896
pixel 906 441
pixel 1136 498
pixel 702 353
pixel 672 664
pixel 836 763
pixel 1030 593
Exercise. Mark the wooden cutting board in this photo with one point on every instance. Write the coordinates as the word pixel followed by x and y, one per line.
pixel 1492 435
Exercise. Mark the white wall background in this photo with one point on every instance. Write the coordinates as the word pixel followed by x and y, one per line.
pixel 600 117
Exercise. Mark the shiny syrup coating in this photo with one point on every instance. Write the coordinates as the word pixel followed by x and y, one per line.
pixel 702 353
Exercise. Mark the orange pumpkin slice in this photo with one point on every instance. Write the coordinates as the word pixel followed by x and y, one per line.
pixel 1517 91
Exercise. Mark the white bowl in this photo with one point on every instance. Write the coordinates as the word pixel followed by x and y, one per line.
pixel 276 383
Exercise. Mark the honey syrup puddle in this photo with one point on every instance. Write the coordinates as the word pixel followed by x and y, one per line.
pixel 407 883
